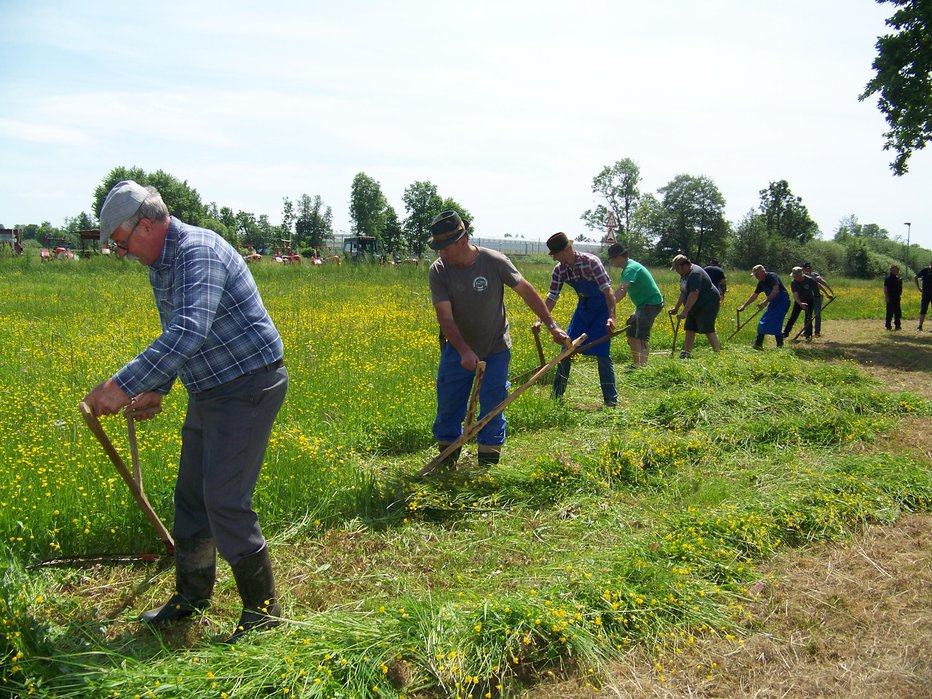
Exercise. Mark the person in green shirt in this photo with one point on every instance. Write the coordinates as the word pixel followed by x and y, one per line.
pixel 639 285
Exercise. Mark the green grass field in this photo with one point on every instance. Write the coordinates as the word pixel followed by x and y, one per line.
pixel 600 529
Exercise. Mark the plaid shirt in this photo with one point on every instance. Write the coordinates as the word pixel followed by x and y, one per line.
pixel 214 325
pixel 585 266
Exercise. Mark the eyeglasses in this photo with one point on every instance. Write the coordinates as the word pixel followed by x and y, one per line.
pixel 124 245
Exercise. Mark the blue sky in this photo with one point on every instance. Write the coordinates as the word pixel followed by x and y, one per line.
pixel 509 107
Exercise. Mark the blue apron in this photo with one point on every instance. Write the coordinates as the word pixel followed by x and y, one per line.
pixel 771 323
pixel 590 316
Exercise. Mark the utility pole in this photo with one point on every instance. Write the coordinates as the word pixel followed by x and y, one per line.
pixel 908 227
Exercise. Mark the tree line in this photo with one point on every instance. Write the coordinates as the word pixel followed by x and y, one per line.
pixel 686 215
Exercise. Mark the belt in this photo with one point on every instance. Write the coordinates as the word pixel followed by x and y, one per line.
pixel 266 369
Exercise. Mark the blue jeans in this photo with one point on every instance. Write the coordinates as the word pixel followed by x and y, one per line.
pixel 454 385
pixel 606 379
pixel 817 313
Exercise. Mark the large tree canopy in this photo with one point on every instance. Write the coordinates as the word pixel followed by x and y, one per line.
pixel 422 203
pixel 693 219
pixel 368 206
pixel 617 187
pixel 181 199
pixel 904 79
pixel 313 223
pixel 785 214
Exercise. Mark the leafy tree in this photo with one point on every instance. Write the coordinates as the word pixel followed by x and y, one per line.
pixel 40 232
pixel 450 204
pixel 248 232
pixel 848 227
pixel 617 186
pixel 81 222
pixel 393 237
pixel 904 79
pixel 872 230
pixel 752 243
pixel 422 203
pixel 693 218
pixel 785 213
pixel 181 199
pixel 314 223
pixel 288 218
pixel 646 224
pixel 368 206
pixel 268 234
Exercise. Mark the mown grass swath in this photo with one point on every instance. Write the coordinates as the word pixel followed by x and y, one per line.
pixel 601 529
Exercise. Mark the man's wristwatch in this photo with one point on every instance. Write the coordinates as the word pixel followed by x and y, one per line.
pixel 553 325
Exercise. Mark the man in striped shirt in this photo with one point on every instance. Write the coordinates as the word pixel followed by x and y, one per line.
pixel 219 340
pixel 594 314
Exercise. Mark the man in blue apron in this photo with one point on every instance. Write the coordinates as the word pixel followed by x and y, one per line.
pixel 594 314
pixel 777 304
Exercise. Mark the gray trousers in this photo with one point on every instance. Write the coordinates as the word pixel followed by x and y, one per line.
pixel 223 441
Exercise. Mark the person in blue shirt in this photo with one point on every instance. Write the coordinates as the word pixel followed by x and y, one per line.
pixel 219 340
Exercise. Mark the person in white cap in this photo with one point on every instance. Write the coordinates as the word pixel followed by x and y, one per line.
pixel 219 340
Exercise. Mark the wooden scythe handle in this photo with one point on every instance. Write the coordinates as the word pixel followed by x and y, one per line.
pixel 135 488
pixel 741 325
pixel 476 428
pixel 676 331
pixel 474 398
pixel 540 350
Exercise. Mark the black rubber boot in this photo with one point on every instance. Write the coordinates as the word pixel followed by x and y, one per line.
pixel 195 573
pixel 451 460
pixel 487 459
pixel 256 585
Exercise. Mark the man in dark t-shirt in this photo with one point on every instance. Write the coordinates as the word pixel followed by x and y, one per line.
pixel 926 290
pixel 892 291
pixel 700 301
pixel 804 289
pixel 717 275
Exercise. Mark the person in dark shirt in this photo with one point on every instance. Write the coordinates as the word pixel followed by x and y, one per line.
pixel 777 304
pixel 892 291
pixel 717 275
pixel 926 290
pixel 817 301
pixel 700 301
pixel 804 289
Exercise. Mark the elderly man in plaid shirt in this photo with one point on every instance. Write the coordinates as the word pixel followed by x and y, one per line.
pixel 594 314
pixel 218 338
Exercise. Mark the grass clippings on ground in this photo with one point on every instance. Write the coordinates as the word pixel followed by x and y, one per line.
pixel 844 620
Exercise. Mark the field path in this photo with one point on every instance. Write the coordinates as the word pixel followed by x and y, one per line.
pixel 852 620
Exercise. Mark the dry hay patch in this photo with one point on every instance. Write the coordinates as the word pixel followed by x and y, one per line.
pixel 901 360
pixel 842 620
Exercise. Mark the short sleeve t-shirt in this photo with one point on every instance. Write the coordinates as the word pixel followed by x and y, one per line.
pixel 642 289
pixel 477 295
pixel 805 288
pixel 717 275
pixel 894 286
pixel 698 280
pixel 770 281
pixel 926 276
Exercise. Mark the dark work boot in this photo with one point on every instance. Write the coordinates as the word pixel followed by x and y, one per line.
pixel 451 460
pixel 489 456
pixel 759 342
pixel 256 585
pixel 195 572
